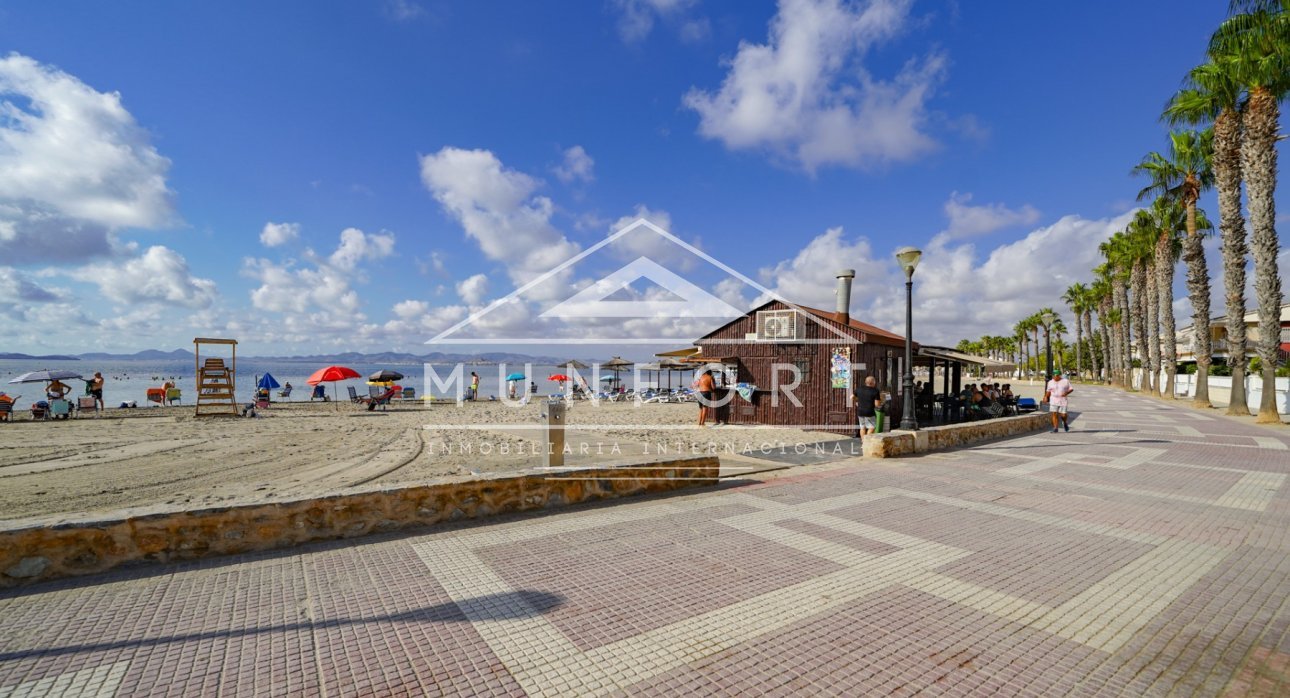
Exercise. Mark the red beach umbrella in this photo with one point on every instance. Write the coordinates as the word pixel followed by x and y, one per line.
pixel 331 374
pixel 558 377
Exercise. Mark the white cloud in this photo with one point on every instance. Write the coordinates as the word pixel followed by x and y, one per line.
pixel 159 275
pixel 74 166
pixel 957 294
pixel 474 289
pixel 637 17
pixel 644 242
pixel 409 309
pixel 17 287
pixel 324 288
pixel 276 234
pixel 805 97
pixel 810 277
pixel 967 220
pixel 498 208
pixel 357 246
pixel 577 166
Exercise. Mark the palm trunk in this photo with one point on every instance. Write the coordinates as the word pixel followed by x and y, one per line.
pixel 1107 353
pixel 1138 280
pixel 1198 292
pixel 1227 177
pixel 1153 331
pixel 1079 339
pixel 1092 350
pixel 1259 164
pixel 1165 289
pixel 1124 366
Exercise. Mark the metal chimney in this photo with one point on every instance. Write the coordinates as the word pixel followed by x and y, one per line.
pixel 842 311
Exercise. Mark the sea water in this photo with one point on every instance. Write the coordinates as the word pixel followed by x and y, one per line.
pixel 126 381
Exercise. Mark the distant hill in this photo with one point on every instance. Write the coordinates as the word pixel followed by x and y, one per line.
pixel 145 355
pixel 354 357
pixel 392 357
pixel 29 357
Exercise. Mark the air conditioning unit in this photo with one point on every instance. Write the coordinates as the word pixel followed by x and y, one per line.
pixel 780 326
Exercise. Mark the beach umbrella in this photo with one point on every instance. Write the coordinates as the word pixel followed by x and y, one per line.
pixel 560 377
pixel 47 376
pixel 332 374
pixel 515 377
pixel 267 382
pixel 385 375
pixel 609 379
pixel 573 364
pixel 617 364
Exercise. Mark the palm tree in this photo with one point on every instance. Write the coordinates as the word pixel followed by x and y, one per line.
pixel 1020 331
pixel 1167 219
pixel 1182 176
pixel 1087 302
pixel 1213 95
pixel 1254 49
pixel 1101 291
pixel 1120 264
pixel 1076 295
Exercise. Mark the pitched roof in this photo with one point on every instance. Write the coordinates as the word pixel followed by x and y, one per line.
pixel 871 331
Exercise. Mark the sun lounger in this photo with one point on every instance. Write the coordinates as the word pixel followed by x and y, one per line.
pixel 353 393
pixel 157 395
pixel 319 393
pixel 86 402
pixel 409 393
pixel 285 392
pixel 6 408
pixel 40 409
pixel 173 395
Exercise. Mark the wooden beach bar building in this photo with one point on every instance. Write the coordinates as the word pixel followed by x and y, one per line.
pixel 829 353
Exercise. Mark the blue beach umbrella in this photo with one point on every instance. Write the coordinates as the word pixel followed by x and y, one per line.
pixel 267 382
pixel 515 377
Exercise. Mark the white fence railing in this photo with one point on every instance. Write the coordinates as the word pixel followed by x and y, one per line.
pixel 1220 389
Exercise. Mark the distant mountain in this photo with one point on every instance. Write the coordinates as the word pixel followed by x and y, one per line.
pixel 29 357
pixel 392 357
pixel 145 355
pixel 348 357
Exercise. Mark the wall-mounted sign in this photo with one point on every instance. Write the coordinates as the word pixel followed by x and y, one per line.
pixel 840 368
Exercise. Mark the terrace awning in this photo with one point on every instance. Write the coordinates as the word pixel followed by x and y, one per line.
pixel 986 364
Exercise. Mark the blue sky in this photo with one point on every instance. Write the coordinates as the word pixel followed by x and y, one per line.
pixel 456 141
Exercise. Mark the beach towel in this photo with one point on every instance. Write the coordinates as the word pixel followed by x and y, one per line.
pixel 745 390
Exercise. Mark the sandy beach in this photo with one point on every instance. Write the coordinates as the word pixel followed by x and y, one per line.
pixel 166 456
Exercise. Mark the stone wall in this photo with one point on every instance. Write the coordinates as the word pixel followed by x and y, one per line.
pixel 32 551
pixel 897 443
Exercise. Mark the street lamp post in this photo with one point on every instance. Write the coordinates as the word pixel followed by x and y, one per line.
pixel 908 258
pixel 1048 318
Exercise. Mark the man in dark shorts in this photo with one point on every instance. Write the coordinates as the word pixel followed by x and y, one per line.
pixel 868 399
pixel 96 389
pixel 707 387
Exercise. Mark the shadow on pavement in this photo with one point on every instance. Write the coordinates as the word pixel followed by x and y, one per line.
pixel 509 606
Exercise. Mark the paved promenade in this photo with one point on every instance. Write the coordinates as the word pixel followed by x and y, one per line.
pixel 1147 552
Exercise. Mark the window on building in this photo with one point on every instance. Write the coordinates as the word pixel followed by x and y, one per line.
pixel 803 367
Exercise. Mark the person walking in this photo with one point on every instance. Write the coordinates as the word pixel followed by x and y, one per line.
pixel 474 386
pixel 868 400
pixel 1055 394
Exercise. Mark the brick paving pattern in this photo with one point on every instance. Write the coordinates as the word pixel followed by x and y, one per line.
pixel 1146 552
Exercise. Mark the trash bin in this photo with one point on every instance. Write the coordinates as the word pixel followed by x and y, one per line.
pixel 878 421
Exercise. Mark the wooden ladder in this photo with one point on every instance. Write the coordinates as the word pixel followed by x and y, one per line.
pixel 215 388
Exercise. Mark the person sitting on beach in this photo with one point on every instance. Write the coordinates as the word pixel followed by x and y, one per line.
pixel 1007 391
pixel 57 390
pixel 5 415
pixel 384 397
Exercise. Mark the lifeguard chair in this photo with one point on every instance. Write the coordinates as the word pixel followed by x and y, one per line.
pixel 215 380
